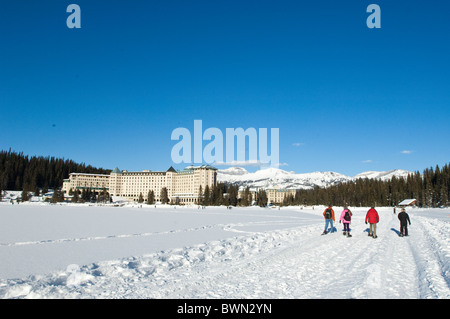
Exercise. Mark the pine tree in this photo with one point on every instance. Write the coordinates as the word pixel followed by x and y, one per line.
pixel 200 195
pixel 233 195
pixel 261 199
pixel 103 196
pixel 25 196
pixel 246 199
pixel 444 196
pixel 83 195
pixel 88 195
pixel 141 199
pixel 164 196
pixel 217 192
pixel 150 197
pixel 206 196
pixel 58 196
pixel 3 177
pixel 213 196
pixel 76 197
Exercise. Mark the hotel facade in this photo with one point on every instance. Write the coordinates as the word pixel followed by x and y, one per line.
pixel 274 195
pixel 182 186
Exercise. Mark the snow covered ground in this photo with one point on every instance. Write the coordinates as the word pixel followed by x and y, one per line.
pixel 82 251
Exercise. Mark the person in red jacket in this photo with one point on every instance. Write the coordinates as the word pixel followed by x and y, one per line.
pixel 373 218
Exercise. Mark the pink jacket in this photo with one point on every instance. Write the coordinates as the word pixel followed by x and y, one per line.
pixel 342 217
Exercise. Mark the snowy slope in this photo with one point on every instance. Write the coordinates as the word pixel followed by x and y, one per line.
pixel 278 178
pixel 383 175
pixel 165 252
pixel 275 177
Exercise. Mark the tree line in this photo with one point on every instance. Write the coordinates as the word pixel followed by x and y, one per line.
pixel 21 172
pixel 228 194
pixel 430 189
pixel 221 194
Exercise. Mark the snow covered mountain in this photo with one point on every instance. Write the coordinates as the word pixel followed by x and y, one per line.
pixel 278 178
pixel 383 175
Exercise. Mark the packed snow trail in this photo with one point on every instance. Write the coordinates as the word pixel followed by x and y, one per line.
pixel 312 266
pixel 289 263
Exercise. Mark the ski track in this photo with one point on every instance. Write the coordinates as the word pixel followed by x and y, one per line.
pixel 62 240
pixel 289 263
pixel 227 227
pixel 431 252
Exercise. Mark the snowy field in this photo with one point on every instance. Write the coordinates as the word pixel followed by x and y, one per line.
pixel 82 251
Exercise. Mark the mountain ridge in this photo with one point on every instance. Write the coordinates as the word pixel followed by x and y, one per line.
pixel 278 178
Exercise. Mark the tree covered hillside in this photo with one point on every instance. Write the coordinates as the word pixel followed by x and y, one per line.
pixel 21 172
pixel 431 189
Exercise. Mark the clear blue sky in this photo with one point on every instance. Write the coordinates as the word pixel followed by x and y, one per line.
pixel 345 98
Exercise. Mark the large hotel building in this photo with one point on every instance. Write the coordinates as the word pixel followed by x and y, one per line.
pixel 182 186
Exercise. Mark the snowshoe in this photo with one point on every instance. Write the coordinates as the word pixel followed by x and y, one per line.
pixel 348 235
pixel 324 232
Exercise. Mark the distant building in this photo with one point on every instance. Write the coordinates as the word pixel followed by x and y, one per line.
pixel 182 186
pixel 47 196
pixel 277 195
pixel 274 195
pixel 80 181
pixel 407 202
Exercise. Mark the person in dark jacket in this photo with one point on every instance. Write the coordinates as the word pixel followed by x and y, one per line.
pixel 404 219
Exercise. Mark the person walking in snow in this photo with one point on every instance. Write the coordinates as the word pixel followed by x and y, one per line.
pixel 328 214
pixel 373 218
pixel 346 218
pixel 404 219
